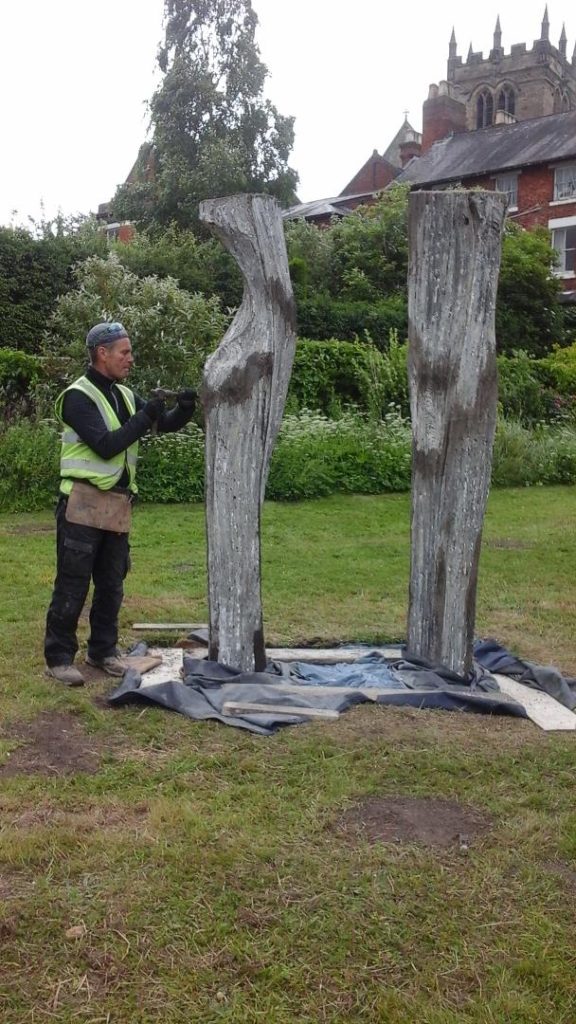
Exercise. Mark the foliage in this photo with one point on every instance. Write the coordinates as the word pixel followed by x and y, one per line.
pixel 323 317
pixel 330 376
pixel 30 460
pixel 213 131
pixel 19 374
pixel 370 248
pixel 524 457
pixel 561 364
pixel 172 331
pixel 315 455
pixel 521 391
pixel 528 314
pixel 197 265
pixel 171 467
pixel 35 268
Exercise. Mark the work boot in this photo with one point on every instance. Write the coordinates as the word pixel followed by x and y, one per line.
pixel 112 665
pixel 67 674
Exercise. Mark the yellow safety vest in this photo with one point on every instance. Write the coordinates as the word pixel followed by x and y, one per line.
pixel 78 461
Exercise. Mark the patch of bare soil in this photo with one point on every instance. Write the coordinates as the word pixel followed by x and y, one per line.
pixel 508 542
pixel 438 823
pixel 111 817
pixel 562 870
pixel 23 529
pixel 54 743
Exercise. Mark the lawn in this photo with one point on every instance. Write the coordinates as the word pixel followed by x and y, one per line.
pixel 153 869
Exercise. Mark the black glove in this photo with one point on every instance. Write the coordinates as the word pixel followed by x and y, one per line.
pixel 186 399
pixel 154 408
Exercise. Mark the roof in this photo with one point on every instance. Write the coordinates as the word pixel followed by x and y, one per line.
pixel 535 141
pixel 392 153
pixel 336 206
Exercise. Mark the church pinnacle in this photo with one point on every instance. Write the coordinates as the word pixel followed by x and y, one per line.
pixel 545 33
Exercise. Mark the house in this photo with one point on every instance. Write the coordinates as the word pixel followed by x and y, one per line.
pixel 379 171
pixel 506 121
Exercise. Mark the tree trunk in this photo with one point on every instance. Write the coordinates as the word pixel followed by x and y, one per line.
pixel 455 245
pixel 243 393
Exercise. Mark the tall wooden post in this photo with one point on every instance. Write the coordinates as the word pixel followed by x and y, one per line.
pixel 455 244
pixel 243 393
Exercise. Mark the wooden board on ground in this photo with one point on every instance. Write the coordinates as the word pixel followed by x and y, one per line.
pixel 329 655
pixel 158 627
pixel 541 708
pixel 142 662
pixel 235 707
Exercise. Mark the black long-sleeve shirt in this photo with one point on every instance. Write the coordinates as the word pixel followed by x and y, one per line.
pixel 80 413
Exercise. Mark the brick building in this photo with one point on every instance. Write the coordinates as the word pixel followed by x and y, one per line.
pixel 506 121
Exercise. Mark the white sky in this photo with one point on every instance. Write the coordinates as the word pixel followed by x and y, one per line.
pixel 75 76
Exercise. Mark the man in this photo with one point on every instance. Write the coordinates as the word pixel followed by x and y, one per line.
pixel 102 422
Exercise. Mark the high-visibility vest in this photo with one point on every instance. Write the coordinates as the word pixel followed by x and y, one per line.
pixel 78 461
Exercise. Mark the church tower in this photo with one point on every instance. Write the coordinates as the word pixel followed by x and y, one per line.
pixel 506 87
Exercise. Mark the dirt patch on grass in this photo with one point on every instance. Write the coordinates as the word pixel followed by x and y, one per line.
pixel 562 870
pixel 23 529
pixel 508 542
pixel 114 818
pixel 54 743
pixel 439 823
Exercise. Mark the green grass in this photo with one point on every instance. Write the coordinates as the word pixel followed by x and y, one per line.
pixel 205 867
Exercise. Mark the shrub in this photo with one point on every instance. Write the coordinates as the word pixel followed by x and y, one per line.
pixel 171 467
pixel 34 271
pixel 523 457
pixel 330 376
pixel 522 391
pixel 172 331
pixel 321 317
pixel 30 460
pixel 19 374
pixel 315 456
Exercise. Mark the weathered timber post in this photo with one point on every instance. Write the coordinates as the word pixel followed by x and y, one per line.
pixel 455 244
pixel 243 392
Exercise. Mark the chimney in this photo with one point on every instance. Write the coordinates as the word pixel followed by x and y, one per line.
pixel 441 115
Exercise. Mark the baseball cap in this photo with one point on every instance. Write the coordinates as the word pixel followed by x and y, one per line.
pixel 105 334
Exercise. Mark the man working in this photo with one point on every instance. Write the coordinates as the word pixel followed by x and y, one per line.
pixel 102 422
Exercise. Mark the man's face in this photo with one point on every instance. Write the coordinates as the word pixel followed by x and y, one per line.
pixel 116 360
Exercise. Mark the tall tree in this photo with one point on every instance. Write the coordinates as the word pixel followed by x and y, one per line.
pixel 213 131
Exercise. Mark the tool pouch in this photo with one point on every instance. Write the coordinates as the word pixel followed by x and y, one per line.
pixel 105 510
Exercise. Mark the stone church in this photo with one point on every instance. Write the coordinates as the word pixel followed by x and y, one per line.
pixel 504 121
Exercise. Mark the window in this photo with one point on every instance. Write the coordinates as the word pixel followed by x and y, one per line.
pixel 484 109
pixel 508 183
pixel 565 182
pixel 564 241
pixel 507 99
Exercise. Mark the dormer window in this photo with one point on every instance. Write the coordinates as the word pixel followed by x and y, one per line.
pixel 565 182
pixel 507 99
pixel 484 109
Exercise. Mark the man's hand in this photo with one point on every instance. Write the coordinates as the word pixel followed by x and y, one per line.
pixel 187 399
pixel 154 408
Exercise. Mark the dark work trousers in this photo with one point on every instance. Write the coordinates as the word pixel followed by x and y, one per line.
pixel 84 553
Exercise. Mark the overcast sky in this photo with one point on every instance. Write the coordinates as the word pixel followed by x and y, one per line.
pixel 75 76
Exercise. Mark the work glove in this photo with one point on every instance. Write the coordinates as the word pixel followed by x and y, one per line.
pixel 154 408
pixel 186 399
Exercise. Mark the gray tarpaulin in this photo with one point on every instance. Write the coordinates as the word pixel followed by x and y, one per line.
pixel 206 686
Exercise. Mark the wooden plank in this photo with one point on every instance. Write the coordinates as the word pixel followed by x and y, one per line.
pixel 233 707
pixel 329 655
pixel 541 708
pixel 167 626
pixel 455 241
pixel 243 393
